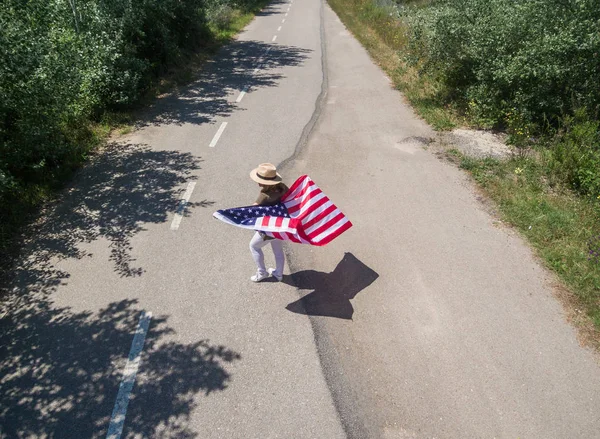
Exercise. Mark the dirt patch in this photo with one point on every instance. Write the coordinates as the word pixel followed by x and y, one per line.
pixel 476 143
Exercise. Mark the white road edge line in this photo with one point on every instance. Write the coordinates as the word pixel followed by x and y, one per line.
pixel 117 420
pixel 274 38
pixel 181 208
pixel 215 139
pixel 279 28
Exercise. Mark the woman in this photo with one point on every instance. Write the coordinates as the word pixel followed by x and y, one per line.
pixel 271 191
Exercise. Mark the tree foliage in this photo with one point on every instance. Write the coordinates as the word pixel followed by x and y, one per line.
pixel 540 58
pixel 65 62
pixel 529 66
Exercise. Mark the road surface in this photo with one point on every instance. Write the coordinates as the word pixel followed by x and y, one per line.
pixel 133 315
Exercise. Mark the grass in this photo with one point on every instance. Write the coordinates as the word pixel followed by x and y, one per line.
pixel 25 206
pixel 559 224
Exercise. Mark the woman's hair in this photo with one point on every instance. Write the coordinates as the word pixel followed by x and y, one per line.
pixel 270 187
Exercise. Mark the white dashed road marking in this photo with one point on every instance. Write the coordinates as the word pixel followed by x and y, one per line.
pixel 241 95
pixel 256 70
pixel 181 208
pixel 215 139
pixel 117 420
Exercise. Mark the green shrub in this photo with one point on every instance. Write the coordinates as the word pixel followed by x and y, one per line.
pixel 64 63
pixel 575 155
pixel 220 13
pixel 540 57
pixel 68 66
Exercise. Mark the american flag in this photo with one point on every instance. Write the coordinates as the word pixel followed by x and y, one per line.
pixel 305 215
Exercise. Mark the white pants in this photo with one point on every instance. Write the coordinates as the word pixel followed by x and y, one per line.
pixel 256 245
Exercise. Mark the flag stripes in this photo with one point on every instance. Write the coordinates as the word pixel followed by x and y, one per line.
pixel 319 220
pixel 305 215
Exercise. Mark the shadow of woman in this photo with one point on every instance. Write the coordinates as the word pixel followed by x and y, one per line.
pixel 332 291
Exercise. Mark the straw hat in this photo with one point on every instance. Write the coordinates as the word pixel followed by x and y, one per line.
pixel 266 173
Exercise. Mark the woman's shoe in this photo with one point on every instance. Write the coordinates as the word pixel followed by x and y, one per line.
pixel 259 276
pixel 271 271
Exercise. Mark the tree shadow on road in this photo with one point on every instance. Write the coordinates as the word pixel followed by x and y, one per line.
pixel 60 370
pixel 271 8
pixel 129 185
pixel 60 373
pixel 240 65
pixel 121 190
pixel 332 291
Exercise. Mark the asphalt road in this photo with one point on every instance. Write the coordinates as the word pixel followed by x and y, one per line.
pixel 423 321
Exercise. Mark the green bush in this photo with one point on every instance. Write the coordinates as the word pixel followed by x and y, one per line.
pixel 220 13
pixel 65 62
pixel 540 58
pixel 575 155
